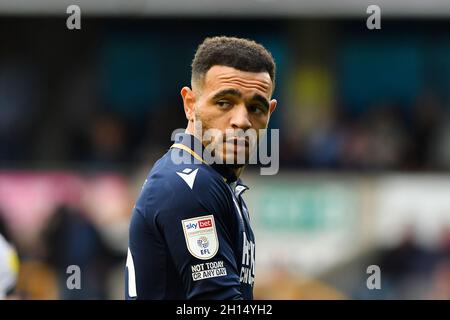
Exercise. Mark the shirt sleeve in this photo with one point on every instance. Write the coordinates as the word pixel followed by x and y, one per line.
pixel 200 243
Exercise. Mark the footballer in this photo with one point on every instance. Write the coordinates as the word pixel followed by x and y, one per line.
pixel 190 234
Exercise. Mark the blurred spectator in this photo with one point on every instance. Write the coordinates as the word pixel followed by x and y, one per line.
pixel 4 228
pixel 107 143
pixel 71 239
pixel 388 138
pixel 9 263
pixel 324 146
pixel 440 278
pixel 427 114
pixel 440 144
pixel 407 268
pixel 19 87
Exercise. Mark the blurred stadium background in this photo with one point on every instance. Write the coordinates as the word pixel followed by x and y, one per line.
pixel 364 139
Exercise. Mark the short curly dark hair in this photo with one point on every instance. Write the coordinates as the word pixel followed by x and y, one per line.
pixel 238 53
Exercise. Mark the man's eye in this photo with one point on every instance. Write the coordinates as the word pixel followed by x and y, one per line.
pixel 224 104
pixel 255 109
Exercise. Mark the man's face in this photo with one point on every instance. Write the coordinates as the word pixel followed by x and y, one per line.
pixel 232 102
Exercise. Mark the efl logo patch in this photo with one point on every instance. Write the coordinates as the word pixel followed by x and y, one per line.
pixel 201 236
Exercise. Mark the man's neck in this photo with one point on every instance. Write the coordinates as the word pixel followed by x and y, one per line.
pixel 236 171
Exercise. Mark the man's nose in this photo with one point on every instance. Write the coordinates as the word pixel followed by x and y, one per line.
pixel 240 118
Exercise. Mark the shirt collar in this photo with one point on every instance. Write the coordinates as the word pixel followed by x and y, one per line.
pixel 239 188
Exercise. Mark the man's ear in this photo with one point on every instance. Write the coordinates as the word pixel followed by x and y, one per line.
pixel 189 102
pixel 272 106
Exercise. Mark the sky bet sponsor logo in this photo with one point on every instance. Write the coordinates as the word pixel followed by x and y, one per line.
pixel 205 224
pixel 191 226
pixel 201 236
pixel 200 224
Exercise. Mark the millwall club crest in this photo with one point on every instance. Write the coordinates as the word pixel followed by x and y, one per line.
pixel 201 236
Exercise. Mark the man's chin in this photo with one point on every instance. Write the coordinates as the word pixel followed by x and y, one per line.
pixel 235 166
pixel 234 161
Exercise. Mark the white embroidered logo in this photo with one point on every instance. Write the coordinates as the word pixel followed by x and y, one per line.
pixel 188 175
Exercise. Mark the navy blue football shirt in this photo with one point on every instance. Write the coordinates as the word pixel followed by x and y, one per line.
pixel 190 234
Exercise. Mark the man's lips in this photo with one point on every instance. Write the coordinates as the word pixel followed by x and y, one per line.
pixel 238 141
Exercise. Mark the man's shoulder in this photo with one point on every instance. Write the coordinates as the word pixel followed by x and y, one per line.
pixel 178 191
pixel 186 181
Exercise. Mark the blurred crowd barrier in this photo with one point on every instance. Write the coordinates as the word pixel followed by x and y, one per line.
pixel 316 233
